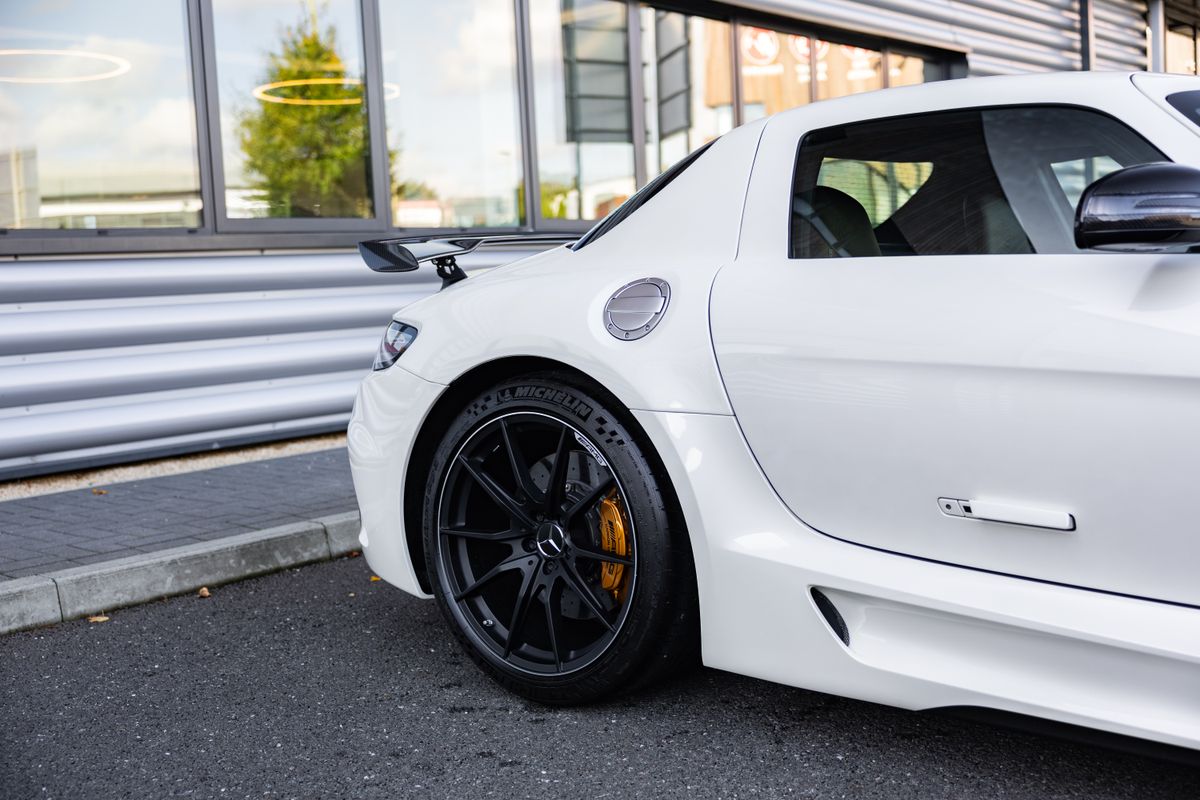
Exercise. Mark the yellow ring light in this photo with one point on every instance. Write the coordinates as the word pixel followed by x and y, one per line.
pixel 119 66
pixel 263 92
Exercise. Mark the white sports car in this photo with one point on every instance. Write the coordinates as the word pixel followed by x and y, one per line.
pixel 895 396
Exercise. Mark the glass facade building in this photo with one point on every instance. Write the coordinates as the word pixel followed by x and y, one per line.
pixel 210 118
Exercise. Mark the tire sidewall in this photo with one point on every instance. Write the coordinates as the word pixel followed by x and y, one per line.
pixel 599 423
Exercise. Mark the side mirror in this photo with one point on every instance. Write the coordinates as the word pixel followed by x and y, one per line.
pixel 1147 205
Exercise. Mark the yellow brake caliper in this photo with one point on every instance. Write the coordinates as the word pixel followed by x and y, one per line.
pixel 612 540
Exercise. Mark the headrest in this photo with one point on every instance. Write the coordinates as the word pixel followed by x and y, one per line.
pixel 827 222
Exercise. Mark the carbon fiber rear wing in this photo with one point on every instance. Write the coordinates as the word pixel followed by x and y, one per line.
pixel 407 254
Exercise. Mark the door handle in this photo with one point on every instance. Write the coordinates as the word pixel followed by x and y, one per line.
pixel 1010 514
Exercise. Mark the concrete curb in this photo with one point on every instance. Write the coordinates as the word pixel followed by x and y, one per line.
pixel 80 591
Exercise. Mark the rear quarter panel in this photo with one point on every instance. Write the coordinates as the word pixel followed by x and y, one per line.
pixel 551 305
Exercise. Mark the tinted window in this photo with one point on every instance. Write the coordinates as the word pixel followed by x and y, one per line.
pixel 962 182
pixel 1188 104
pixel 880 186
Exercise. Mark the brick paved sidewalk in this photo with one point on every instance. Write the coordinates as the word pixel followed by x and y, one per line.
pixel 57 531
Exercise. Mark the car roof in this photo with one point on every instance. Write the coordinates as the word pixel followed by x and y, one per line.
pixel 1041 87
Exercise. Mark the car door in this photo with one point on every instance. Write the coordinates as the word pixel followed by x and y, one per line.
pixel 923 363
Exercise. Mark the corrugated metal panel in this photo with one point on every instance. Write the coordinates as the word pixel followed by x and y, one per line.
pixel 1001 36
pixel 1120 34
pixel 1012 37
pixel 104 360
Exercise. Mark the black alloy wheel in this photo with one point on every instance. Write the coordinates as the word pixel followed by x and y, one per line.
pixel 519 538
pixel 542 518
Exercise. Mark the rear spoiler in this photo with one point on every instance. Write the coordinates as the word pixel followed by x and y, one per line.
pixel 405 255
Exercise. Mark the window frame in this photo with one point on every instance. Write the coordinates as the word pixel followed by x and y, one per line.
pixel 957 109
pixel 218 233
pixel 32 241
pixel 373 99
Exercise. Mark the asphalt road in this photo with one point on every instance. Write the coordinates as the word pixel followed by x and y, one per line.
pixel 320 683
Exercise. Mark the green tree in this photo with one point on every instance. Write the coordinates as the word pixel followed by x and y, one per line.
pixel 554 202
pixel 411 190
pixel 308 158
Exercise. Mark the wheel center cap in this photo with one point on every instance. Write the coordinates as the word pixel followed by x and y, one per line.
pixel 551 540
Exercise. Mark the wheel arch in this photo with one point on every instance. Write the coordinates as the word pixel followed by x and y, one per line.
pixel 465 388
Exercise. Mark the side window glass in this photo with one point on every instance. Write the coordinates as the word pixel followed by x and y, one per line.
pixel 1045 156
pixel 920 185
pixel 1077 174
pixel 881 187
pixel 954 183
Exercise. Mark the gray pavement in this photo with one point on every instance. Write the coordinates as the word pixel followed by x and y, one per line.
pixel 317 682
pixel 52 532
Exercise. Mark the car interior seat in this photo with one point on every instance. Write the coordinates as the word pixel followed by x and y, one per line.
pixel 828 223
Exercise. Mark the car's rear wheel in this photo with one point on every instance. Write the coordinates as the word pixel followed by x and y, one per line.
pixel 552 547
